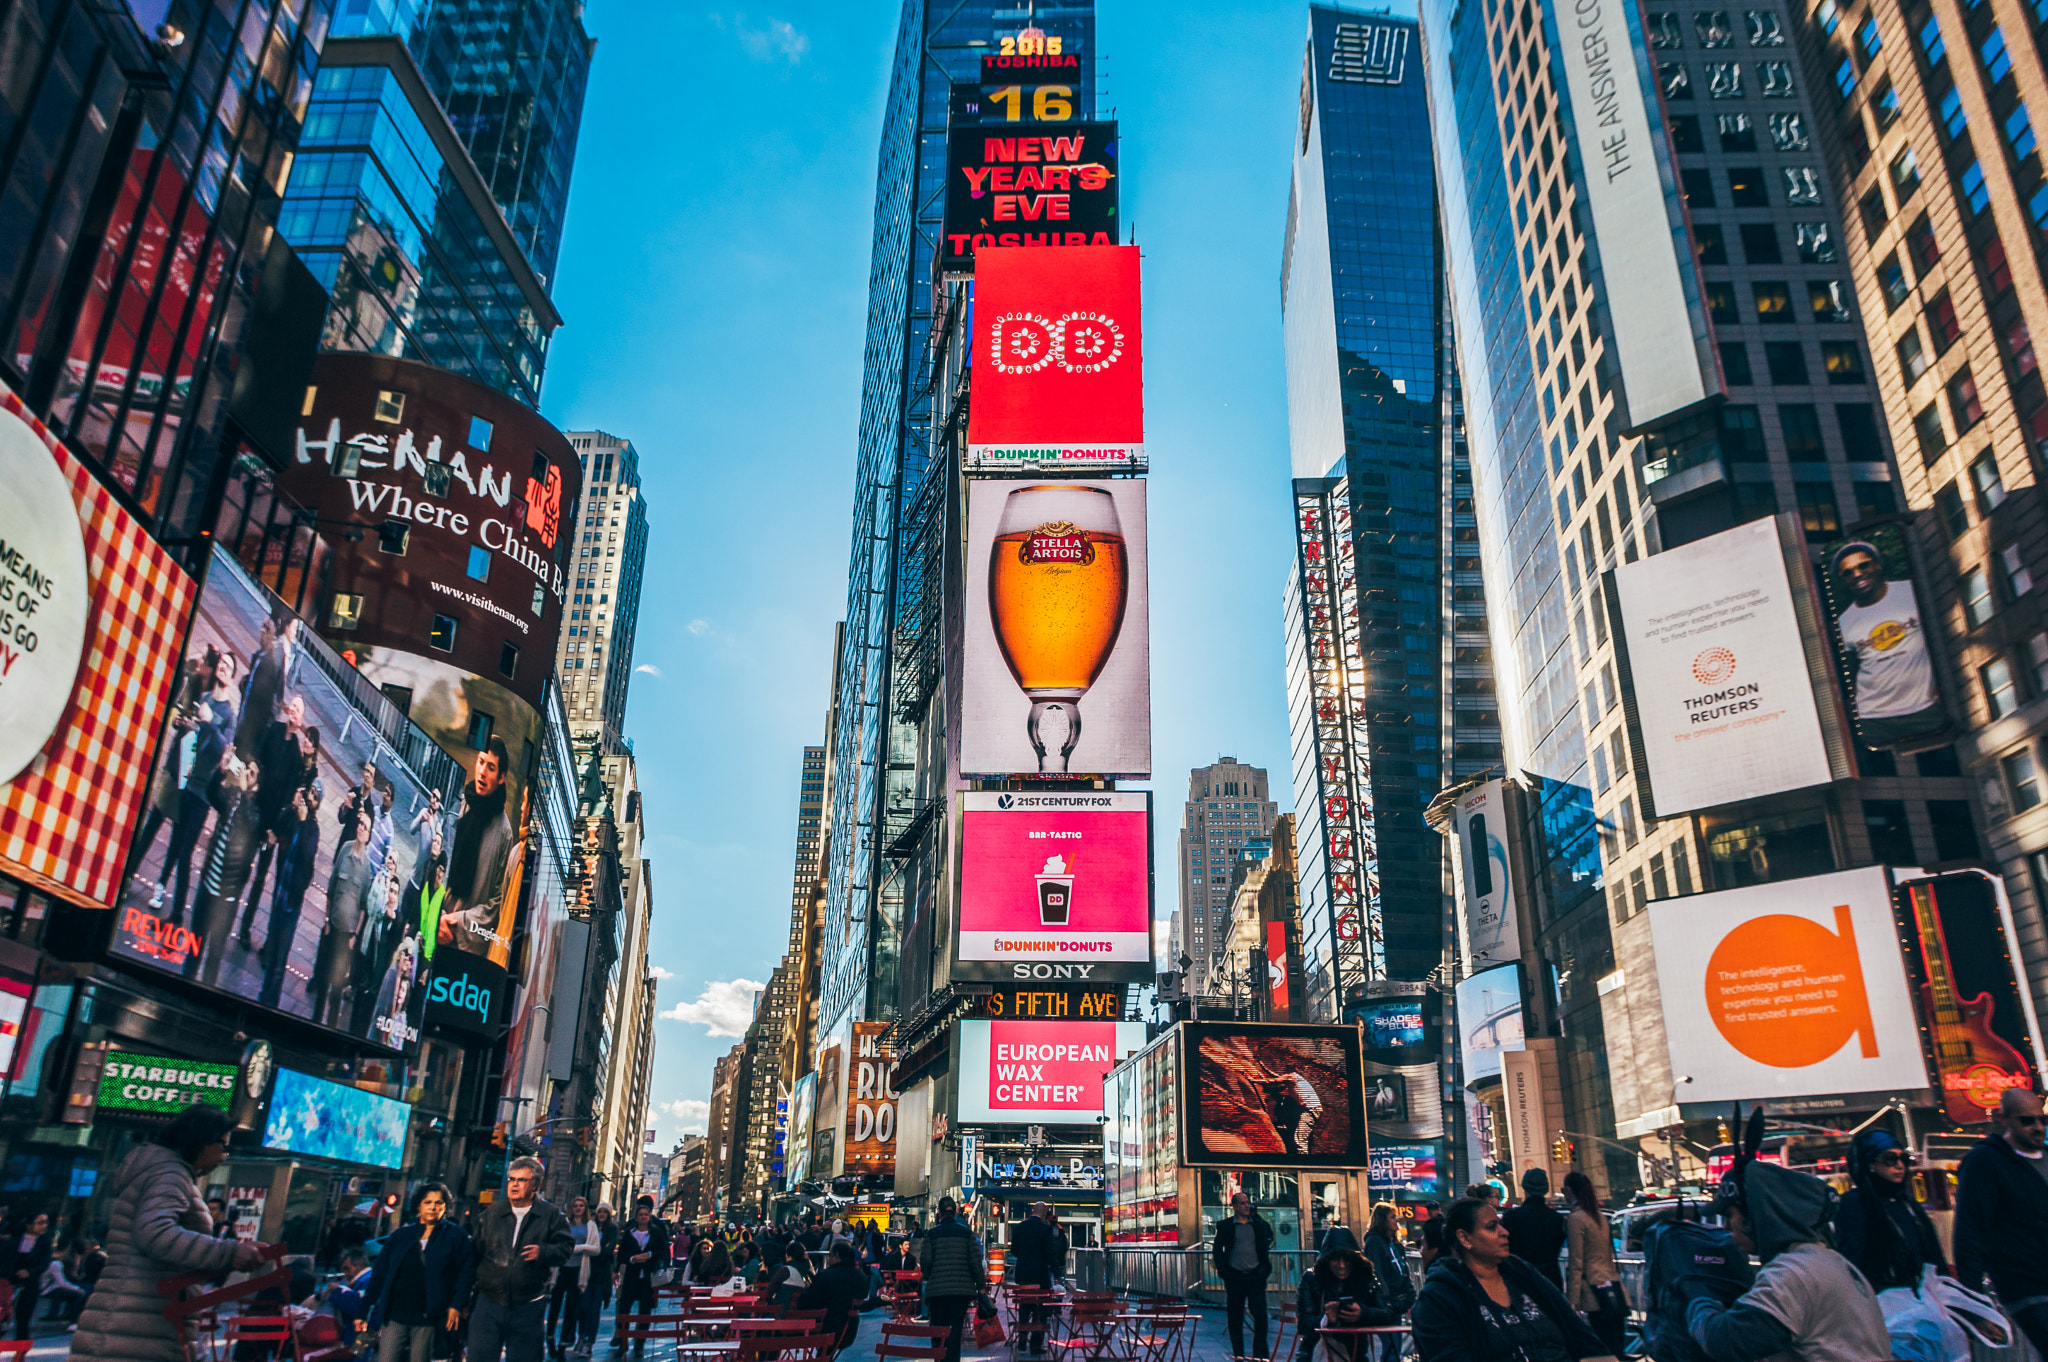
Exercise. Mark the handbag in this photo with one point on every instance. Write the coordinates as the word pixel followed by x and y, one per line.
pixel 988 1325
pixel 663 1276
pixel 1613 1297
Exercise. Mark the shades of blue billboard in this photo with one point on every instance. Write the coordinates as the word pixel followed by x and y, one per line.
pixel 324 1120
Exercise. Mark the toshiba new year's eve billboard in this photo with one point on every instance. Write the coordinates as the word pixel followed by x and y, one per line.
pixel 1036 1072
pixel 1059 378
pixel 1034 185
pixel 1055 886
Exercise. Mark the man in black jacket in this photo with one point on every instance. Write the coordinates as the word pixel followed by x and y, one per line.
pixel 1031 1250
pixel 642 1252
pixel 839 1290
pixel 520 1241
pixel 1536 1232
pixel 1243 1255
pixel 2002 1214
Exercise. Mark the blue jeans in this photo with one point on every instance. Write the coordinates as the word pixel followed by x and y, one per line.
pixel 518 1331
pixel 591 1308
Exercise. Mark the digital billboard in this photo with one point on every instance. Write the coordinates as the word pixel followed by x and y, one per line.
pixel 1055 886
pixel 302 837
pixel 870 1141
pixel 1965 958
pixel 1030 185
pixel 1717 671
pixel 1272 1096
pixel 1787 991
pixel 1491 932
pixel 1057 666
pixel 802 1104
pixel 91 609
pixel 1038 1072
pixel 1059 364
pixel 324 1120
pixel 161 1086
pixel 1489 1019
pixel 1407 1170
pixel 1887 656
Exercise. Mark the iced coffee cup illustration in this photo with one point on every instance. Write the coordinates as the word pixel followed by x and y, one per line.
pixel 1055 892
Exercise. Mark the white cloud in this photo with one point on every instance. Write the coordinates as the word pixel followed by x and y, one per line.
pixel 724 1007
pixel 660 973
pixel 1162 937
pixel 649 669
pixel 699 627
pixel 693 1114
pixel 777 40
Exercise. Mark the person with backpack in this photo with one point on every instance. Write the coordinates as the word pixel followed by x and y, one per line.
pixel 1592 1282
pixel 1879 1226
pixel 1481 1303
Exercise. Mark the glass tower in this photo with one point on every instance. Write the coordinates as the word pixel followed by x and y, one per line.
pixel 899 494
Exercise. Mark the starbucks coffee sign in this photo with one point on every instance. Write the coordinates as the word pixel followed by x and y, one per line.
pixel 45 596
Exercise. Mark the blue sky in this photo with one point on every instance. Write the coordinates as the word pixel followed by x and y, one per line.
pixel 714 280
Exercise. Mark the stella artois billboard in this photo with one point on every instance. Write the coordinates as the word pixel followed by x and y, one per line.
pixel 1059 376
pixel 1057 656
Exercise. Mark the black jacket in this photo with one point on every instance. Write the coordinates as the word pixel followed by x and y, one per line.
pixel 1226 1241
pixel 15 1263
pixel 1031 1252
pixel 840 1289
pixel 502 1275
pixel 639 1276
pixel 450 1266
pixel 1320 1287
pixel 1450 1328
pixel 2002 1221
pixel 1536 1235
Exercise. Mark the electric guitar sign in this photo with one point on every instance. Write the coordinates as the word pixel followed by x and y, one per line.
pixel 1977 1029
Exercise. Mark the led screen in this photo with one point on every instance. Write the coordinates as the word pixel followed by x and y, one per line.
pixel 1273 1096
pixel 1055 887
pixel 1018 1072
pixel 324 1120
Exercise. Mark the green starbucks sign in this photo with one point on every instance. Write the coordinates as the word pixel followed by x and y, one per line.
pixel 164 1087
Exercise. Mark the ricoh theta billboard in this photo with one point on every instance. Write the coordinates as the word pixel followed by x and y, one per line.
pixel 1055 887
pixel 1059 368
pixel 1719 671
pixel 1057 659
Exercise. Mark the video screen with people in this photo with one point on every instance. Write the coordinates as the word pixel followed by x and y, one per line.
pixel 1273 1095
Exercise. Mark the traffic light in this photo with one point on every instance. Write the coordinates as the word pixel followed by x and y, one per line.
pixel 1561 1150
pixel 498 1135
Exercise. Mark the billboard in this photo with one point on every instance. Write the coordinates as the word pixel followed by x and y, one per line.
pixel 161 1086
pixel 1489 1019
pixel 1272 1096
pixel 802 1103
pixel 297 852
pixel 1644 251
pixel 91 609
pixel 1491 933
pixel 1787 991
pixel 1887 657
pixel 1059 364
pixel 1055 886
pixel 870 1141
pixel 453 506
pixel 1038 1072
pixel 1980 1029
pixel 1717 671
pixel 1276 966
pixel 1407 1170
pixel 326 1120
pixel 1057 661
pixel 1048 184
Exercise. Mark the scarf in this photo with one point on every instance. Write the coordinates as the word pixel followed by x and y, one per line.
pixel 479 811
pixel 592 1236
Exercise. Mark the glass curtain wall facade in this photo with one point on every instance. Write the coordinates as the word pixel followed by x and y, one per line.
pixel 886 676
pixel 596 657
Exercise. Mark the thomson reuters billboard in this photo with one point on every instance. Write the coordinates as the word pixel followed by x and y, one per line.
pixel 1788 991
pixel 1055 887
pixel 1722 677
pixel 1059 376
pixel 1036 1072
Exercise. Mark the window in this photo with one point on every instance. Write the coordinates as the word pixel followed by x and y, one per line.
pixel 1737 132
pixel 442 634
pixel 1875 211
pixel 1827 15
pixel 2037 207
pixel 1867 37
pixel 1763 29
pixel 1786 361
pixel 2019 131
pixel 1884 104
pixel 1742 438
pixel 1891 277
pixel 479 563
pixel 2001 696
pixel 1721 304
pixel 1974 192
pixel 344 612
pixel 2019 343
pixel 1955 518
pixel 1891 840
pixel 1802 184
pixel 1874 499
pixel 1952 116
pixel 1724 79
pixel 1913 359
pixel 2018 581
pixel 1997 272
pixel 2037 659
pixel 438 478
pixel 1963 407
pixel 1746 187
pixel 1842 360
pixel 1801 424
pixel 1699 188
pixel 390 407
pixel 1861 442
pixel 1977 603
pixel 508 660
pixel 394 537
pixel 480 725
pixel 1920 240
pixel 479 435
pixel 1754 501
pixel 1685 133
pixel 1829 300
pixel 1990 486
pixel 1760 243
pixel 1941 319
pixel 1845 77
pixel 1735 364
pixel 1708 242
pixel 1997 61
pixel 1930 42
pixel 1773 303
pixel 1818 511
pixel 1955 834
pixel 1788 132
pixel 1905 173
pixel 1676 80
pixel 2022 781
pixel 1928 428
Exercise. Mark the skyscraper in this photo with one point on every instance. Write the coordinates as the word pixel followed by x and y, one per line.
pixel 887 660
pixel 1366 362
pixel 607 562
pixel 1226 809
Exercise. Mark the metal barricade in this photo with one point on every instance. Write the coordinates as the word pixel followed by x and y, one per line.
pixel 1181 1273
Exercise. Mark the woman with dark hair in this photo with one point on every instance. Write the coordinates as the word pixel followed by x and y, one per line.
pixel 24 1253
pixel 1341 1293
pixel 158 1229
pixel 839 1290
pixel 1480 1304
pixel 1389 1259
pixel 1878 1225
pixel 420 1280
pixel 1592 1283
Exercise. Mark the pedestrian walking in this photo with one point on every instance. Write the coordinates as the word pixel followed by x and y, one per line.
pixel 2002 1214
pixel 596 1252
pixel 1243 1254
pixel 1536 1230
pixel 1592 1282
pixel 1030 1264
pixel 520 1241
pixel 158 1228
pixel 24 1254
pixel 1389 1260
pixel 426 1268
pixel 1879 1226
pixel 1481 1303
pixel 643 1251
pixel 954 1274
pixel 565 1299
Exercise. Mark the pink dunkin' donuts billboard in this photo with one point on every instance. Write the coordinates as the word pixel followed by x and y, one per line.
pixel 1055 887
